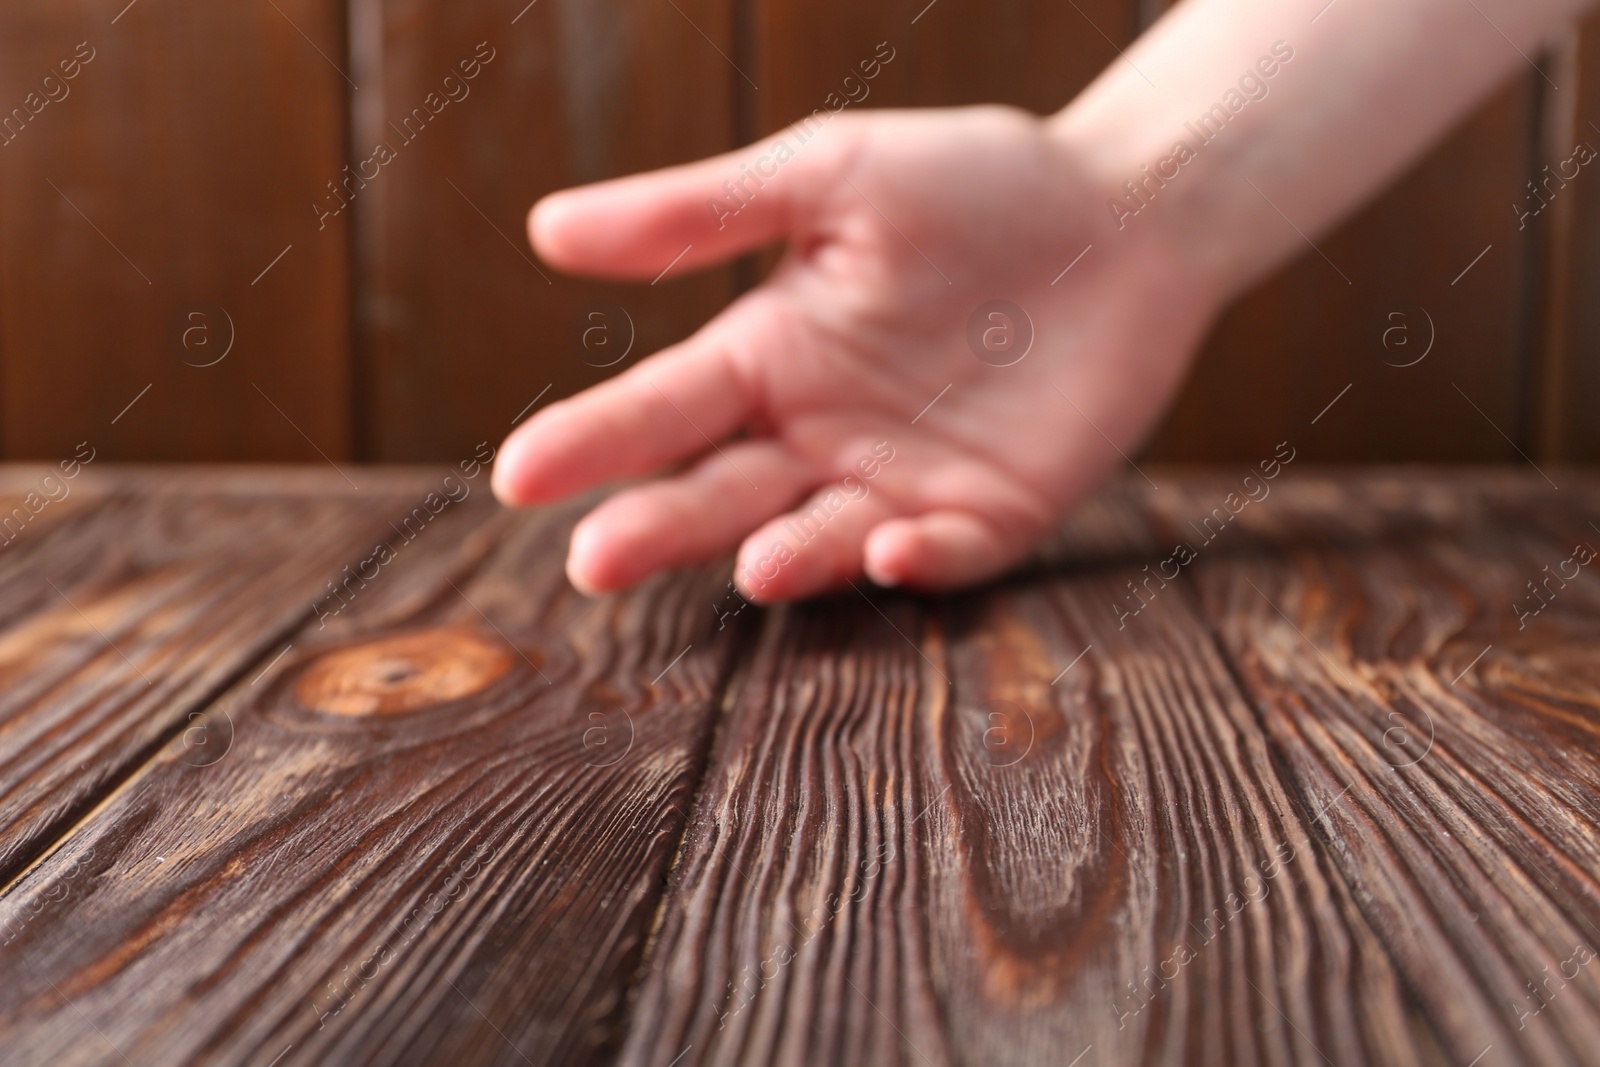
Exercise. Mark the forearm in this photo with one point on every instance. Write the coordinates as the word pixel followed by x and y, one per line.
pixel 1367 87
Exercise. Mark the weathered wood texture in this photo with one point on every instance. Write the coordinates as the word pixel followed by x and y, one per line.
pixel 438 832
pixel 921 841
pixel 134 601
pixel 1448 739
pixel 941 836
pixel 1327 795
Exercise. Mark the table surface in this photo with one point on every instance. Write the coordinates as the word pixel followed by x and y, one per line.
pixel 1321 788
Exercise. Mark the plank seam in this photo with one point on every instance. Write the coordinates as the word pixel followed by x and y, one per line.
pixel 727 690
pixel 1327 861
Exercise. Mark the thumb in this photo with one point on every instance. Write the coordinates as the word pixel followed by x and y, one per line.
pixel 697 214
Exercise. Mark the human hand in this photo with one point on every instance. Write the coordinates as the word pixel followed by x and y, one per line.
pixel 900 225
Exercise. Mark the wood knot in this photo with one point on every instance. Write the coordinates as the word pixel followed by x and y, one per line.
pixel 406 672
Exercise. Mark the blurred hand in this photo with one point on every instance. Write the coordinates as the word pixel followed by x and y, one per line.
pixel 803 408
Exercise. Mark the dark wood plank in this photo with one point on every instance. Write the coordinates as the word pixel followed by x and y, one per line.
pixel 1567 237
pixel 1320 799
pixel 171 170
pixel 1449 743
pixel 459 327
pixel 439 835
pixel 935 834
pixel 145 597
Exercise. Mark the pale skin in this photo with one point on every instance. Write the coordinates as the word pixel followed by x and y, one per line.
pixel 899 224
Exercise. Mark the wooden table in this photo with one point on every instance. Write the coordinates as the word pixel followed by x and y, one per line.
pixel 1328 796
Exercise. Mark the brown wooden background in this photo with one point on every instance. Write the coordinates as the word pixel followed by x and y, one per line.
pixel 184 158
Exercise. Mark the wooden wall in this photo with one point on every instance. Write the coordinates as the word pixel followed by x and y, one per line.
pixel 158 212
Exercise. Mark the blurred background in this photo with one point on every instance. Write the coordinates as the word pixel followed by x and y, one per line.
pixel 175 283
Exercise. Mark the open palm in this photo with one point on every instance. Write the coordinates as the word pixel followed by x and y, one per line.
pixel 873 407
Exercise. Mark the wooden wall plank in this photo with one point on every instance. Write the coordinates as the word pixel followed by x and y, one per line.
pixel 1030 54
pixel 131 611
pixel 1567 235
pixel 1281 353
pixel 460 327
pixel 198 142
pixel 174 168
pixel 439 835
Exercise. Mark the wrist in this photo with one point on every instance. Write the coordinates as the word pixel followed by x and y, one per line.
pixel 1172 167
pixel 1148 209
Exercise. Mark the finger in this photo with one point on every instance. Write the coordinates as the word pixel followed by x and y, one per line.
pixel 812 549
pixel 677 403
pixel 692 517
pixel 689 216
pixel 942 550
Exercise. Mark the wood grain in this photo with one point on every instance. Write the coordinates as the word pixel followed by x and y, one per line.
pixel 922 842
pixel 1153 856
pixel 1323 796
pixel 136 600
pixel 144 207
pixel 463 866
pixel 1451 749
pixel 152 201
